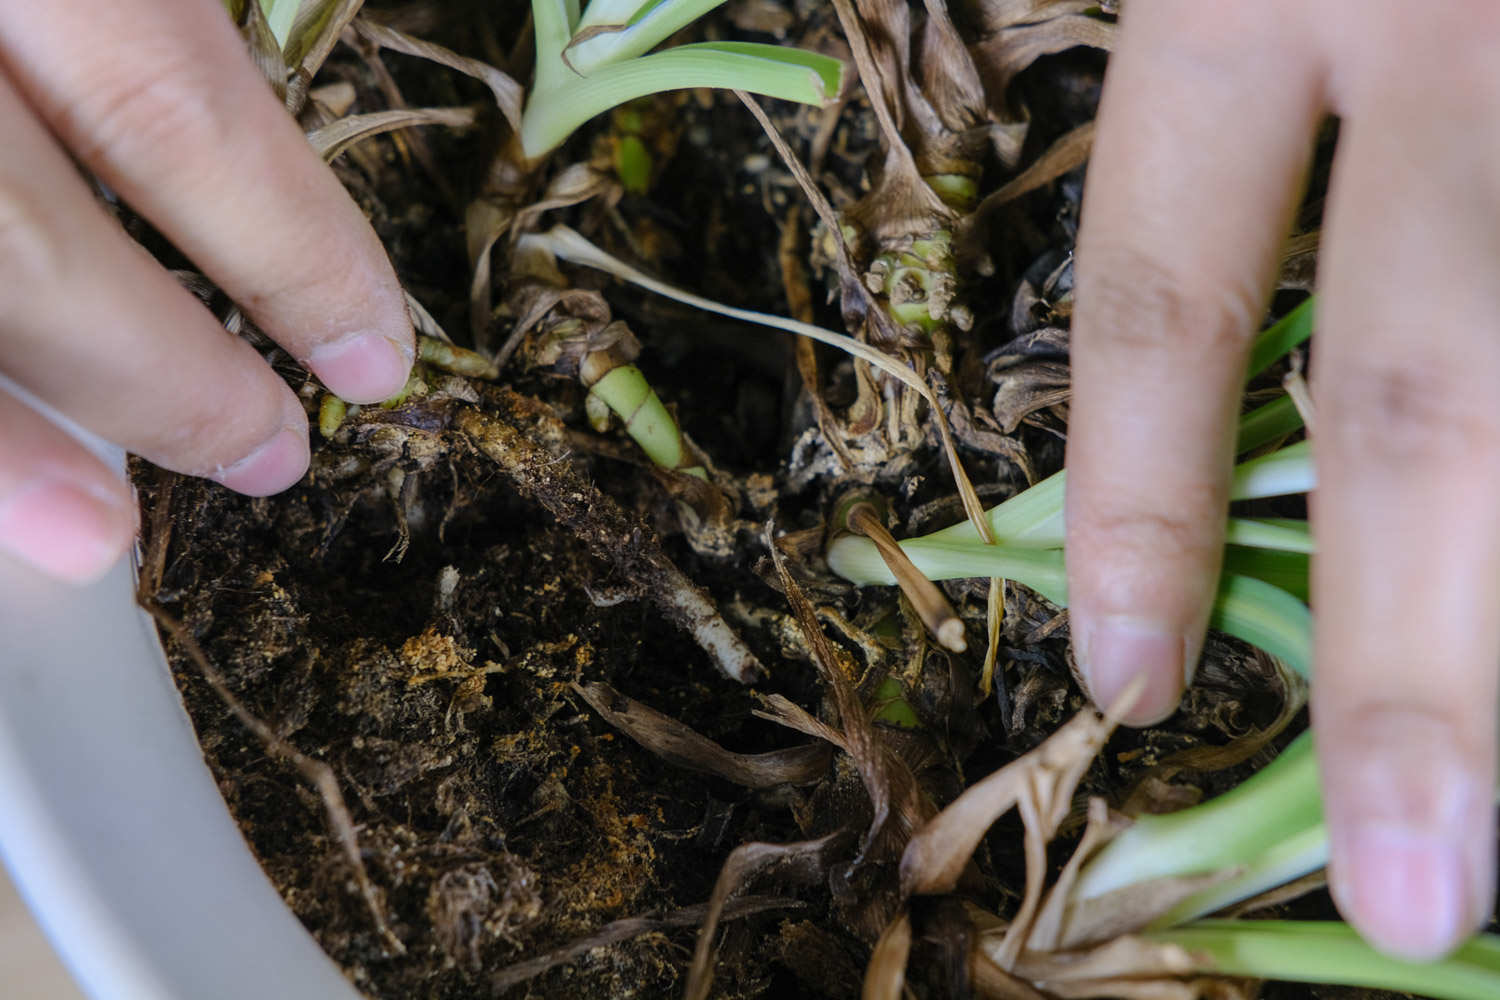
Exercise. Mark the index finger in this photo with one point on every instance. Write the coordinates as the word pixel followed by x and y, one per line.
pixel 162 102
pixel 1204 132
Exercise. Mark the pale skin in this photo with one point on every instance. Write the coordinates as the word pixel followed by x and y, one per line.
pixel 1203 139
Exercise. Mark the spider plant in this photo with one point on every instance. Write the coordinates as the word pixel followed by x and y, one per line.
pixel 592 60
pixel 1269 830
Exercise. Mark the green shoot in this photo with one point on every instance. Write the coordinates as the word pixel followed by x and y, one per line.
pixel 626 392
pixel 1247 829
pixel 280 15
pixel 1331 952
pixel 589 63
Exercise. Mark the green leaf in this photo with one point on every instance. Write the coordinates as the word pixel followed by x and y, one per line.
pixel 564 103
pixel 280 14
pixel 1280 338
pixel 1266 423
pixel 1266 616
pixel 1331 952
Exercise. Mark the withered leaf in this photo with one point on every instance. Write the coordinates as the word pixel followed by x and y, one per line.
pixel 508 93
pixel 1006 53
pixel 337 136
pixel 680 745
pixel 802 863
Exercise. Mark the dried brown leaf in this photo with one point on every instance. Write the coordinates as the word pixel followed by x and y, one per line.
pixel 575 184
pixel 265 51
pixel 900 202
pixel 1006 53
pixel 335 137
pixel 805 862
pixel 1299 261
pixel 314 34
pixel 885 975
pixel 994 983
pixel 1285 893
pixel 1120 958
pixel 508 93
pixel 900 805
pixel 1065 154
pixel 994 15
pixel 335 98
pixel 1026 388
pixel 1199 988
pixel 680 745
pixel 950 81
pixel 1044 778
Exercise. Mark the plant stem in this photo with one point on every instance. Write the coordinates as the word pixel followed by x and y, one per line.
pixel 1331 952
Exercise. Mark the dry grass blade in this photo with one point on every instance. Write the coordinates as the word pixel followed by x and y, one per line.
pixel 508 93
pixel 930 603
pixel 885 975
pixel 335 137
pixel 1063 155
pixel 1045 777
pixel 314 772
pixel 802 862
pixel 686 748
pixel 851 288
pixel 1047 932
pixel 631 927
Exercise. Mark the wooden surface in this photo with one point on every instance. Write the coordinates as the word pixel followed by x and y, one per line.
pixel 28 968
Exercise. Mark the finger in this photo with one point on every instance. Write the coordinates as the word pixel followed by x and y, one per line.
pixel 94 327
pixel 61 509
pixel 160 99
pixel 1203 135
pixel 1407 580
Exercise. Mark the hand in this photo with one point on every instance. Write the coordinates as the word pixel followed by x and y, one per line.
pixel 160 100
pixel 1203 138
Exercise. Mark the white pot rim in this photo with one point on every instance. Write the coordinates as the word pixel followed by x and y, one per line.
pixel 112 826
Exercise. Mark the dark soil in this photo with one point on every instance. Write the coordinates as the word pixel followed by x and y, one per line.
pixel 415 614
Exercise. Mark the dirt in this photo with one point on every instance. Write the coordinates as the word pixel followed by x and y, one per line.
pixel 417 611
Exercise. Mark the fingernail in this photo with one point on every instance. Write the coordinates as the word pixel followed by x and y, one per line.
pixel 271 468
pixel 362 368
pixel 1406 890
pixel 1118 649
pixel 66 530
pixel 1412 832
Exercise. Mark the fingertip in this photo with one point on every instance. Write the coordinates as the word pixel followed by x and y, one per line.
pixel 1410 894
pixel 69 530
pixel 1411 822
pixel 273 466
pixel 364 367
pixel 1115 650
